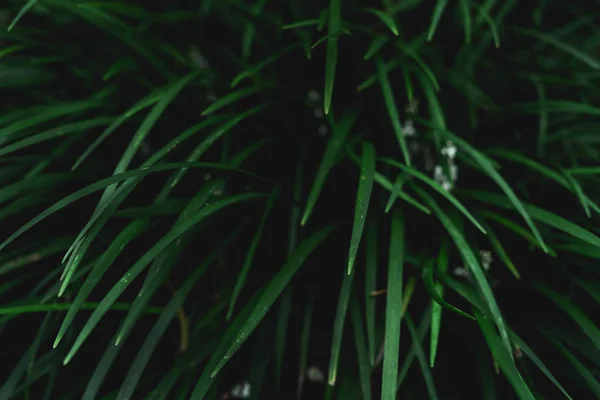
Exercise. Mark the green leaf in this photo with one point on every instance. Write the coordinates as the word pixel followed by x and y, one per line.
pixel 76 127
pixel 436 308
pixel 483 13
pixel 501 253
pixel 386 18
pixel 538 363
pixel 139 265
pixel 152 339
pixel 543 216
pixel 334 28
pixel 28 6
pixel 465 12
pixel 559 44
pixel 426 371
pixel 504 358
pixel 132 230
pixel 489 169
pixel 364 365
pixel 363 196
pixel 390 104
pixel 241 276
pixel 337 140
pixel 231 98
pixel 272 291
pixel 440 6
pixel 435 293
pixel 581 368
pixel 393 309
pixel 436 186
pixel 376 44
pixel 371 286
pixel 338 327
pixel 575 313
pixel 473 264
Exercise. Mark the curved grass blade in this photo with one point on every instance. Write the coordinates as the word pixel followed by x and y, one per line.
pixel 438 11
pixel 489 169
pixel 301 24
pixel 337 140
pixel 504 359
pixel 28 6
pixel 517 229
pixel 483 13
pixel 76 127
pixel 576 187
pixel 175 304
pixel 393 309
pixel 436 295
pixel 436 309
pixel 575 313
pixel 370 287
pixel 580 367
pixel 144 103
pixel 101 184
pixel 45 114
pixel 364 365
pixel 543 216
pixel 426 371
pixel 473 264
pixel 421 331
pixel 338 327
pixel 272 291
pixel 395 192
pixel 559 44
pixel 241 277
pixel 465 12
pixel 376 44
pixel 254 69
pixel 138 267
pixel 538 363
pixel 363 196
pixel 231 98
pixel 386 18
pixel 334 29
pixel 501 253
pixel 436 186
pixel 390 104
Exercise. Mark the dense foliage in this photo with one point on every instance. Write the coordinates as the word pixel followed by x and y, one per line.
pixel 276 199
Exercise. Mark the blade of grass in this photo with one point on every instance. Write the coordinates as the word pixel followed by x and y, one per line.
pixel 338 327
pixel 334 28
pixel 436 309
pixel 538 363
pixel 386 18
pixel 489 169
pixel 363 196
pixel 473 264
pixel 139 265
pixel 231 98
pixel 273 290
pixel 371 286
pixel 28 6
pixel 393 309
pixel 364 365
pixel 426 371
pixel 501 253
pixel 241 277
pixel 583 371
pixel 390 104
pixel 574 312
pixel 504 359
pixel 436 186
pixel 395 192
pixel 438 11
pixel 337 140
pixel 76 127
pixel 436 296
pixel 465 12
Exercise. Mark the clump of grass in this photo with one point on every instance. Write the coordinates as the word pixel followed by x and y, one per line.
pixel 278 199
